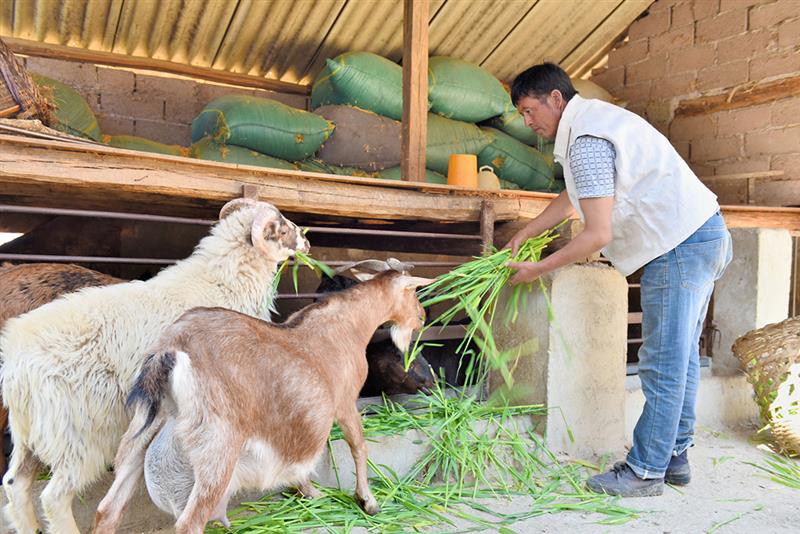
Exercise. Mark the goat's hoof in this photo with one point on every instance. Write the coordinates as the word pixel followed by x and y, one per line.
pixel 310 493
pixel 369 505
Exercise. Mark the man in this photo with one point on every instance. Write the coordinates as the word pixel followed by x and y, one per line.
pixel 643 207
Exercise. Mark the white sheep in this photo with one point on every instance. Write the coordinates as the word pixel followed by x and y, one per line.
pixel 69 365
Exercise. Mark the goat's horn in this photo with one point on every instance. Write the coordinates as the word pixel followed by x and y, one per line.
pixel 372 265
pixel 234 205
pixel 399 266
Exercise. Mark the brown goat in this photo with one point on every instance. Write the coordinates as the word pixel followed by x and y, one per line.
pixel 28 286
pixel 255 401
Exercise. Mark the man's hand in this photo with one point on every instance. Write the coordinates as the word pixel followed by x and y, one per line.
pixel 527 271
pixel 517 241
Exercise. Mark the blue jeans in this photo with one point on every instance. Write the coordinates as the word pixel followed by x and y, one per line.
pixel 675 290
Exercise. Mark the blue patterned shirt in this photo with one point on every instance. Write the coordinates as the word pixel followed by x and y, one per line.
pixel 591 160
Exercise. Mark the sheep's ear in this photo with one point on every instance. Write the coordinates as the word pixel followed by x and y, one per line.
pixel 362 276
pixel 414 282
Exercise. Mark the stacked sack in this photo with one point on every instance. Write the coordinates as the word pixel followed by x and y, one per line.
pixel 468 110
pixel 74 116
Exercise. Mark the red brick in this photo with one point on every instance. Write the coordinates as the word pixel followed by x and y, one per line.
pixel 701 169
pixel 674 38
pixel 115 80
pixel 722 76
pixel 789 33
pixel 740 165
pixel 743 46
pixel 716 148
pixel 682 148
pixel 661 5
pixel 789 163
pixel 636 94
pixel 610 79
pixel 778 141
pixel 692 58
pixel 697 127
pixel 163 132
pixel 131 105
pixel 721 26
pixel 786 112
pixel 775 64
pixel 114 125
pixel 629 52
pixel 778 193
pixel 673 85
pixel 744 120
pixel 769 15
pixel 704 9
pixel 652 68
pixel 653 23
pixel 682 14
pixel 728 5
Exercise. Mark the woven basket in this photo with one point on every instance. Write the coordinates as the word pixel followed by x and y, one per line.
pixel 19 96
pixel 770 356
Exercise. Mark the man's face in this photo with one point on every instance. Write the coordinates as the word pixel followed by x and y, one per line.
pixel 542 115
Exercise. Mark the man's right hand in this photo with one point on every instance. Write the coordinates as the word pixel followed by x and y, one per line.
pixel 517 241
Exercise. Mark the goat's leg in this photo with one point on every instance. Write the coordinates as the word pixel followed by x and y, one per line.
pixel 57 503
pixel 350 424
pixel 129 469
pixel 213 459
pixel 18 483
pixel 307 489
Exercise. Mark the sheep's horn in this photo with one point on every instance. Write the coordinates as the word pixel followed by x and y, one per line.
pixel 234 205
pixel 399 266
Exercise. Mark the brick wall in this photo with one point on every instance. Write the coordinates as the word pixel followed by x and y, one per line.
pixel 146 104
pixel 686 49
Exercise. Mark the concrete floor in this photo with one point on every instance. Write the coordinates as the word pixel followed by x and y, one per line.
pixel 726 495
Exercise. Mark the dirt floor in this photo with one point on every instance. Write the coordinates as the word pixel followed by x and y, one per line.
pixel 725 495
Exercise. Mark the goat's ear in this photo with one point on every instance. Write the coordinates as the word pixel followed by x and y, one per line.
pixel 362 276
pixel 413 282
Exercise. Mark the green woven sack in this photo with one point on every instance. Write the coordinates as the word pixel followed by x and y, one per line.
pixel 512 123
pixel 361 79
pixel 133 142
pixel 263 125
pixel 207 148
pixel 518 163
pixel 73 113
pixel 463 91
pixel 447 136
pixel 394 173
pixel 317 165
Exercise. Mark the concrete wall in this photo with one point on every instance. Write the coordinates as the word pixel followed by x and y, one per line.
pixel 153 105
pixel 684 49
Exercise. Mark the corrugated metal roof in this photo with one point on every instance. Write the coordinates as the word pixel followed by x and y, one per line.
pixel 289 40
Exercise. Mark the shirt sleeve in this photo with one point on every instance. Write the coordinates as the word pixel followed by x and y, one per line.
pixel 591 161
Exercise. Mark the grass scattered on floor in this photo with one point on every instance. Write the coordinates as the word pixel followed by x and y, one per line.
pixel 783 470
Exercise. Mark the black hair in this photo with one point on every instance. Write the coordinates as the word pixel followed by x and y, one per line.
pixel 539 81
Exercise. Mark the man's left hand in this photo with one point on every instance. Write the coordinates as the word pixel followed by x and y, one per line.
pixel 527 271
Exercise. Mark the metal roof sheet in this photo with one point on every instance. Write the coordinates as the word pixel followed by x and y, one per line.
pixel 289 40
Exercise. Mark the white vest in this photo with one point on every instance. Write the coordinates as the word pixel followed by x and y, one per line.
pixel 658 200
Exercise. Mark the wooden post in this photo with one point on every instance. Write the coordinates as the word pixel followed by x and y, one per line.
pixel 487 225
pixel 415 89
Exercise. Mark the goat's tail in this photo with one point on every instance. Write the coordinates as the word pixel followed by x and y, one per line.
pixel 151 385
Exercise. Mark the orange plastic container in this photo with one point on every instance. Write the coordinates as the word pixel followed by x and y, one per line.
pixel 462 169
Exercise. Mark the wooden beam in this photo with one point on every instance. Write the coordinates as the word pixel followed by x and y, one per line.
pixel 53 173
pixel 744 176
pixel 69 53
pixel 740 97
pixel 415 89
